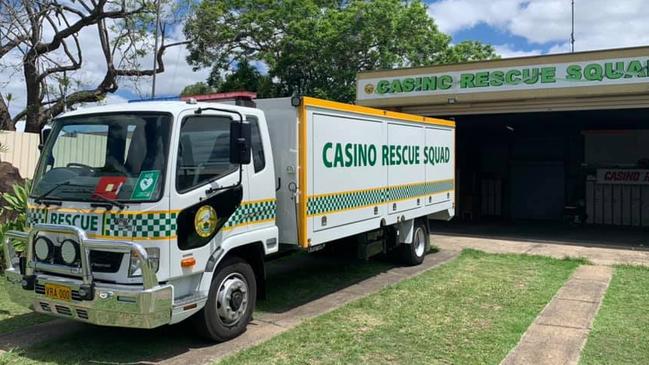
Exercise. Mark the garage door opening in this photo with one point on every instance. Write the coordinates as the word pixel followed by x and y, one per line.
pixel 578 168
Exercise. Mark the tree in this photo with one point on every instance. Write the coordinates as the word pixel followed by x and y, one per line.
pixel 245 78
pixel 199 88
pixel 316 47
pixel 41 39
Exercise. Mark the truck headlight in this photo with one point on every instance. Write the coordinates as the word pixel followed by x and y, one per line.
pixel 134 268
pixel 69 252
pixel 43 248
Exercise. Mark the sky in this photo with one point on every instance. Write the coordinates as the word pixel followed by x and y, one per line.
pixel 514 27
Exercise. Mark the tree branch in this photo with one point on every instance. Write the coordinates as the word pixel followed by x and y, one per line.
pixel 94 17
pixel 161 67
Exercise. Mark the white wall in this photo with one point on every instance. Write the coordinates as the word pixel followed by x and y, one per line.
pixel 22 151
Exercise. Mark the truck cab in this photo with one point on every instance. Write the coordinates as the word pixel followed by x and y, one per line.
pixel 135 207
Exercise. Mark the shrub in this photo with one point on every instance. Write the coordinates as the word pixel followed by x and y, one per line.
pixel 13 214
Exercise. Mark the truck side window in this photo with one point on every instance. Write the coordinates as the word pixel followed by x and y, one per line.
pixel 258 157
pixel 204 151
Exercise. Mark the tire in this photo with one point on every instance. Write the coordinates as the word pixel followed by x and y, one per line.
pixel 223 319
pixel 413 254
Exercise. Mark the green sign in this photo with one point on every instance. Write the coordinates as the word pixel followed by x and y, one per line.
pixel 146 184
pixel 358 155
pixel 617 71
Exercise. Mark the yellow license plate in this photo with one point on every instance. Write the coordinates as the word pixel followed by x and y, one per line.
pixel 58 292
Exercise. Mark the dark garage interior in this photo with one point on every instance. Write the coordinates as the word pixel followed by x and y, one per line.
pixel 539 170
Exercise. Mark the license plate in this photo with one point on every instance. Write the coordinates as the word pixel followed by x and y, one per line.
pixel 59 292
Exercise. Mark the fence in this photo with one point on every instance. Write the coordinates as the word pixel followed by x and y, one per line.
pixel 22 151
pixel 620 205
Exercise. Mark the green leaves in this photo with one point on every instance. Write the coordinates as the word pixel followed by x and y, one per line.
pixel 17 202
pixel 316 47
pixel 13 214
pixel 198 88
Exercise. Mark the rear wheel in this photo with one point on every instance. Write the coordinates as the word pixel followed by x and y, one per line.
pixel 413 254
pixel 230 302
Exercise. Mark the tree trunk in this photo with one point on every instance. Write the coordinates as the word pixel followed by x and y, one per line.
pixel 34 115
pixel 6 124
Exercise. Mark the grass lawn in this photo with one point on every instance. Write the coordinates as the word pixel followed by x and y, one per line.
pixel 300 278
pixel 14 316
pixel 291 281
pixel 470 311
pixel 620 334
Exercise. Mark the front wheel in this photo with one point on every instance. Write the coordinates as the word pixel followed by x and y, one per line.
pixel 413 254
pixel 230 301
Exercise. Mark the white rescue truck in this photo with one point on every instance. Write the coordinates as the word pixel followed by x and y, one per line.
pixel 146 214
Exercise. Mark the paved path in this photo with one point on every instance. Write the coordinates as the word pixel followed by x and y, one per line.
pixel 597 256
pixel 271 324
pixel 559 333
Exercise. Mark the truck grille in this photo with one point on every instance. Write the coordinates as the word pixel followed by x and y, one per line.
pixel 106 262
pixel 46 307
pixel 63 310
pixel 82 313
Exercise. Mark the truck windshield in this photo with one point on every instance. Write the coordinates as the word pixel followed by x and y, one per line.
pixel 117 156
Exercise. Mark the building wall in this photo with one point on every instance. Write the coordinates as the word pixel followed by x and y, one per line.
pixel 22 151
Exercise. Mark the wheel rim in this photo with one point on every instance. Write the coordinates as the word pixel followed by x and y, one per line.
pixel 232 299
pixel 419 240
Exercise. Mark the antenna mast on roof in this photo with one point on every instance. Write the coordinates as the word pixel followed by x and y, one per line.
pixel 572 34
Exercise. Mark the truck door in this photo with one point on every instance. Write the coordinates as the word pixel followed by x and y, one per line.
pixel 259 209
pixel 202 164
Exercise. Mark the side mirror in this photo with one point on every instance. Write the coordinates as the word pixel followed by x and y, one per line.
pixel 240 152
pixel 45 132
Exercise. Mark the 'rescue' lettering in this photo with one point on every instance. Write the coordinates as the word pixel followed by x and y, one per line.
pixel 83 221
pixel 335 155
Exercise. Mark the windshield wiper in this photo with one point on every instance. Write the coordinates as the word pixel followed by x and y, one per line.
pixel 39 199
pixel 110 202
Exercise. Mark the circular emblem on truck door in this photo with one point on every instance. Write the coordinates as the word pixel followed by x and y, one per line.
pixel 205 221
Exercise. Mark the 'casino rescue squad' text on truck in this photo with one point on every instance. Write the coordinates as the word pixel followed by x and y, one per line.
pixel 146 214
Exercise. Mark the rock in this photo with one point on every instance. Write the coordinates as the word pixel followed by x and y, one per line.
pixel 9 176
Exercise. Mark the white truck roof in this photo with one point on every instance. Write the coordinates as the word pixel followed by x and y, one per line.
pixel 173 107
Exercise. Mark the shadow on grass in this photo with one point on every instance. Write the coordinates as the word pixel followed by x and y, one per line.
pixel 301 278
pixel 20 321
pixel 291 281
pixel 107 345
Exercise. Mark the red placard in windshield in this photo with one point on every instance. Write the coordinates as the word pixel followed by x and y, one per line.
pixel 109 186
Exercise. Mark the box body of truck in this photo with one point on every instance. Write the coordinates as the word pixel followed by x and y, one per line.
pixel 346 169
pixel 148 214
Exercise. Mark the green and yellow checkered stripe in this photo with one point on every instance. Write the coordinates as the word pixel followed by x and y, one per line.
pixel 320 204
pixel 403 192
pixel 252 212
pixel 36 216
pixel 349 200
pixel 154 225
